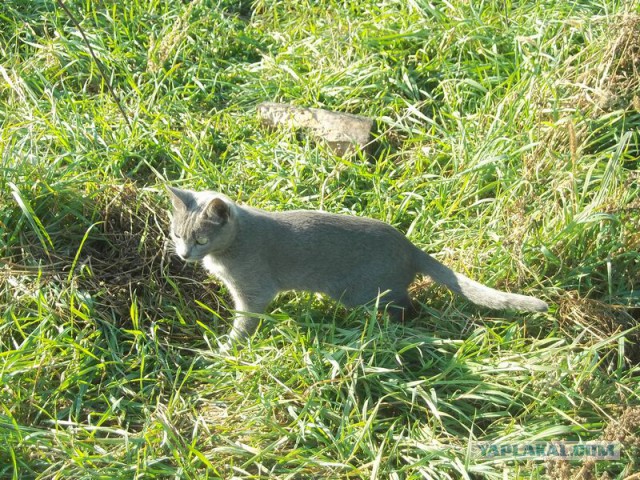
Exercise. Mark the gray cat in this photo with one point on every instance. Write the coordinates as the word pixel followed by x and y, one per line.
pixel 354 260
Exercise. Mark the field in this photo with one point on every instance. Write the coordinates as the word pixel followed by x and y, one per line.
pixel 507 142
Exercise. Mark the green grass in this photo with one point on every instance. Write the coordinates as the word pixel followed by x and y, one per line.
pixel 507 143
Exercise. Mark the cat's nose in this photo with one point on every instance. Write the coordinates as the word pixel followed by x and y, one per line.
pixel 186 255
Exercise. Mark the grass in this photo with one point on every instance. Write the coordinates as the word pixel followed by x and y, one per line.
pixel 507 142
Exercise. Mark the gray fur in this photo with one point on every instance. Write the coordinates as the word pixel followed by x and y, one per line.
pixel 258 254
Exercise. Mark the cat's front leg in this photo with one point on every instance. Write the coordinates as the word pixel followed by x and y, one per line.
pixel 244 326
pixel 247 303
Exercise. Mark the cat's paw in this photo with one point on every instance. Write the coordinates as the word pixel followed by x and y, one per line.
pixel 231 346
pixel 226 347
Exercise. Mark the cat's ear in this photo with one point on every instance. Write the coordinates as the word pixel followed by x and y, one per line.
pixel 179 198
pixel 218 210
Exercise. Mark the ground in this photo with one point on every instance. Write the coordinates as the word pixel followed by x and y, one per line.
pixel 506 143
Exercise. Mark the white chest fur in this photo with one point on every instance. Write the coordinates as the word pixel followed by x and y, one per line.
pixel 215 268
pixel 220 271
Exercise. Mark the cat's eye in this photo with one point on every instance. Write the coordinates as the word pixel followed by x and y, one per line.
pixel 202 240
pixel 176 235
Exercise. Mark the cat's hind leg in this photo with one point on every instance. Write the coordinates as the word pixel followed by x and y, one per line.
pixel 400 307
pixel 397 303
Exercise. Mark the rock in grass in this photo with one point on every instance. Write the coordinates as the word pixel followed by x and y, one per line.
pixel 343 133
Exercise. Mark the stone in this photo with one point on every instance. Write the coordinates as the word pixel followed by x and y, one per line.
pixel 343 133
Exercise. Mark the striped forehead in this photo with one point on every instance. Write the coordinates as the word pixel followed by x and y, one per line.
pixel 186 221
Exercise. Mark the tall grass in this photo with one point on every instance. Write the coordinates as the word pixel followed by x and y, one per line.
pixel 506 142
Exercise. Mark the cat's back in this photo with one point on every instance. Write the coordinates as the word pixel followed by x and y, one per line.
pixel 323 232
pixel 319 222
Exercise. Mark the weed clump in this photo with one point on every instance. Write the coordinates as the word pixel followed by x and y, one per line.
pixel 615 82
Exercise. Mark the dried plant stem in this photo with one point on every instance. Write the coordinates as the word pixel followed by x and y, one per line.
pixel 99 64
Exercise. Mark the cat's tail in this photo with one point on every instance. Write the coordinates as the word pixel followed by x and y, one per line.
pixel 476 292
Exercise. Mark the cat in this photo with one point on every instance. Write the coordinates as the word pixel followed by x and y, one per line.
pixel 354 260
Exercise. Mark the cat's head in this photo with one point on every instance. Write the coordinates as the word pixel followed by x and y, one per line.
pixel 201 223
